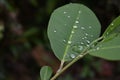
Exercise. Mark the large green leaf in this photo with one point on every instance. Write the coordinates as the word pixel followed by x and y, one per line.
pixel 45 73
pixel 108 49
pixel 72 28
pixel 113 28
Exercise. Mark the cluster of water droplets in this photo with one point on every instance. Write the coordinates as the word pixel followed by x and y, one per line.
pixel 85 39
pixel 97 48
pixel 77 49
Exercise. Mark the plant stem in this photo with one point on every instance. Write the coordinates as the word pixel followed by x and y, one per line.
pixel 61 70
pixel 61 66
pixel 67 66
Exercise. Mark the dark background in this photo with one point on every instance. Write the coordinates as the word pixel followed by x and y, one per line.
pixel 25 48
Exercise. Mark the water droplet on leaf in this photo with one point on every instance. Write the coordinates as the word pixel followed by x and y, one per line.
pixel 82 28
pixel 90 27
pixel 79 11
pixel 72 55
pixel 75 27
pixel 112 24
pixel 80 47
pixel 68 16
pixel 54 30
pixel 64 12
pixel 86 34
pixel 73 32
pixel 87 45
pixel 97 48
pixel 83 38
pixel 76 21
pixel 82 43
pixel 88 41
pixel 64 40
pixel 69 42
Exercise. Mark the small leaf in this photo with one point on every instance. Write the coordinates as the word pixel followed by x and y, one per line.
pixel 113 28
pixel 45 73
pixel 109 50
pixel 72 28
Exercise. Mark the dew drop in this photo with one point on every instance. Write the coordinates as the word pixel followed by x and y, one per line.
pixel 72 55
pixel 90 27
pixel 54 30
pixel 83 38
pixel 87 45
pixel 88 41
pixel 79 12
pixel 86 34
pixel 68 16
pixel 76 21
pixel 72 32
pixel 80 47
pixel 112 24
pixel 64 40
pixel 81 43
pixel 82 28
pixel 97 48
pixel 75 27
pixel 64 12
pixel 69 42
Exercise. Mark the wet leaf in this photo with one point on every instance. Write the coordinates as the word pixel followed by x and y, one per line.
pixel 70 27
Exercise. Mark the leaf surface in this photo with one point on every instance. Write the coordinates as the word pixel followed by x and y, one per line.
pixel 45 73
pixel 109 50
pixel 72 28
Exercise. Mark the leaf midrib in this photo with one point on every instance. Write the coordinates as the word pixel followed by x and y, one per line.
pixel 45 74
pixel 104 48
pixel 69 39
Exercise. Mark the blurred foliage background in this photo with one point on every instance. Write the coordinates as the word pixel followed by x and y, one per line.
pixel 25 48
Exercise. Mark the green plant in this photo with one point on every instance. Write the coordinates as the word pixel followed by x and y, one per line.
pixel 74 32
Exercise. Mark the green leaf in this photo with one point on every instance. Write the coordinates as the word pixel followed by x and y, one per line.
pixel 109 47
pixel 45 73
pixel 113 28
pixel 72 28
pixel 109 50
